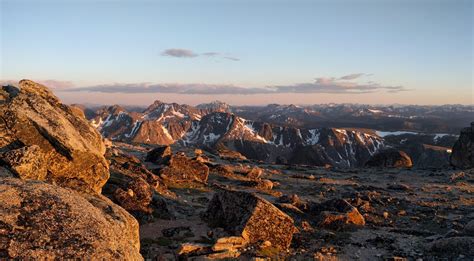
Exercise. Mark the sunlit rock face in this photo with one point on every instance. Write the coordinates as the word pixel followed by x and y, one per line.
pixel 43 139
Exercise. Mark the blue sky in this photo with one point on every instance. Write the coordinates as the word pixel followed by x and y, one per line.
pixel 297 49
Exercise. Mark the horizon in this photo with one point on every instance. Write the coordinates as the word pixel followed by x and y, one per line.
pixel 242 52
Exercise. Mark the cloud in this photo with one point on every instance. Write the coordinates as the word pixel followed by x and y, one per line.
pixel 210 54
pixel 352 76
pixel 319 85
pixel 179 53
pixel 231 58
pixel 53 84
pixel 186 53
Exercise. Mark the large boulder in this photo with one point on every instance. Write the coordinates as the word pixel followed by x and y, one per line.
pixel 43 139
pixel 251 217
pixel 183 169
pixel 40 221
pixel 390 158
pixel 462 155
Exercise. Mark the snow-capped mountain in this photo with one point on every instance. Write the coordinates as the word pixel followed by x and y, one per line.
pixel 262 141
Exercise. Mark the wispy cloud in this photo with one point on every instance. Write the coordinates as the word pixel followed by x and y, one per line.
pixel 179 53
pixel 231 58
pixel 352 76
pixel 187 53
pixel 210 54
pixel 320 85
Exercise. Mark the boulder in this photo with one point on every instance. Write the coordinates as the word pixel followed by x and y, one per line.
pixel 137 196
pixel 182 169
pixel 462 155
pixel 43 139
pixel 254 173
pixel 40 221
pixel 337 214
pixel 159 155
pixel 390 158
pixel 223 170
pixel 265 184
pixel 246 215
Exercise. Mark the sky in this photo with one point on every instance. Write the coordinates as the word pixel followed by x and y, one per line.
pixel 251 52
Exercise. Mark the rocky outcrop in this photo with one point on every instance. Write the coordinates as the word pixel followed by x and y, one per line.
pixel 462 155
pixel 183 169
pixel 44 222
pixel 390 158
pixel 43 139
pixel 251 217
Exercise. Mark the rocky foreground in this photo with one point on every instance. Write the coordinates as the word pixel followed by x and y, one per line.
pixel 67 194
pixel 307 212
pixel 52 169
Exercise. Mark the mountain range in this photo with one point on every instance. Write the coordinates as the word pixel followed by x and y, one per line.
pixel 286 133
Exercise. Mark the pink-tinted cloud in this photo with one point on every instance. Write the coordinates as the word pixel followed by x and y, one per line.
pixel 320 85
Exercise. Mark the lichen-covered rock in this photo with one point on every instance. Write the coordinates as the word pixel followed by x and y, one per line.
pixel 27 162
pixel 390 158
pixel 41 138
pixel 462 155
pixel 40 221
pixel 251 217
pixel 159 155
pixel 182 169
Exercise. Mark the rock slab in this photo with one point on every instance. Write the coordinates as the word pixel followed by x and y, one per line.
pixel 183 169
